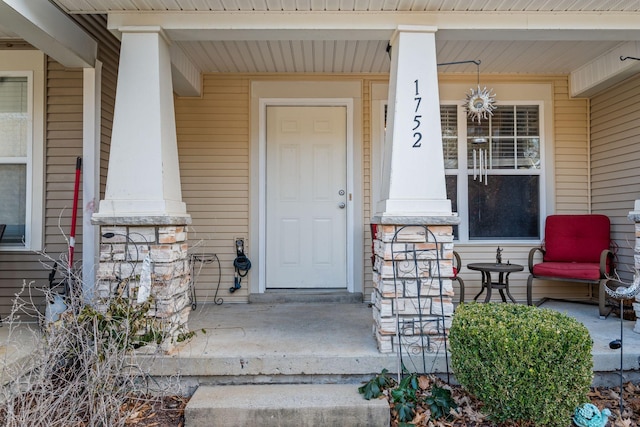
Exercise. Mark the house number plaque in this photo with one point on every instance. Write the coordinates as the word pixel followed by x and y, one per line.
pixel 417 132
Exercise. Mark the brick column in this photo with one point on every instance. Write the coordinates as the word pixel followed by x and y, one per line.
pixel 635 217
pixel 416 319
pixel 122 251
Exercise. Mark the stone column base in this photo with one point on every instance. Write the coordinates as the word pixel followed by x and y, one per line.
pixel 412 297
pixel 123 249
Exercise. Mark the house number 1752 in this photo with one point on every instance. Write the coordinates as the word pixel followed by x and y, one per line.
pixel 417 134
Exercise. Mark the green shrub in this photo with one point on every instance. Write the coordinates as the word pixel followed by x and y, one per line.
pixel 524 363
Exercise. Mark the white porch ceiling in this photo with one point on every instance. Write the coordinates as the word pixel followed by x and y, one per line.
pixel 351 36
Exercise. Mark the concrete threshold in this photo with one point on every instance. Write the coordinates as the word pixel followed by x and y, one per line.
pixel 285 405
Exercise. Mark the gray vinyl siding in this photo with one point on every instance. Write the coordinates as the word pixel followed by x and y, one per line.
pixel 615 161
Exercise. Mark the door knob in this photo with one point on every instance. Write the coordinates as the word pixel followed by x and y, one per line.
pixel 342 205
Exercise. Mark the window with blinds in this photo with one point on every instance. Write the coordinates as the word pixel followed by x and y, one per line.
pixel 14 140
pixel 505 203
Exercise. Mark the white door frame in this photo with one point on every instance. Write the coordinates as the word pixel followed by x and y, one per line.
pixel 262 173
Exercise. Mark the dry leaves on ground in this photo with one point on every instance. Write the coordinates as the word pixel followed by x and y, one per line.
pixel 150 411
pixel 469 412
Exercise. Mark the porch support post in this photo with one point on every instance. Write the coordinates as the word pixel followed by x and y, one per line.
pixel 143 218
pixel 143 179
pixel 413 166
pixel 635 217
pixel 413 231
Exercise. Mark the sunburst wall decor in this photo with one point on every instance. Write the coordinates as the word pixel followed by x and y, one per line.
pixel 479 103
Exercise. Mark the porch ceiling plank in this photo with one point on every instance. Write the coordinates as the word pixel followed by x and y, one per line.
pixel 339 54
pixel 347 4
pixel 259 5
pixel 262 50
pixel 281 55
pixel 404 5
pixel 380 62
pixel 274 4
pixel 297 56
pixel 369 53
pixel 307 55
pixel 80 6
pixel 234 60
pixel 333 5
pixel 288 5
pixel 327 56
pixel 50 30
pixel 230 5
pixel 276 54
pixel 349 57
pixel 302 5
pixel 245 56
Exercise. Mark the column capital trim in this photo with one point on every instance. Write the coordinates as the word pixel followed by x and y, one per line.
pixel 411 29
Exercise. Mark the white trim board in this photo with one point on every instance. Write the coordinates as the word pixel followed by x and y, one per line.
pixel 306 93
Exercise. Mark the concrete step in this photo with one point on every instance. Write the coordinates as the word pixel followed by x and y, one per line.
pixel 285 405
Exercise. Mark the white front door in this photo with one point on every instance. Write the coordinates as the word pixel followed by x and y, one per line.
pixel 306 197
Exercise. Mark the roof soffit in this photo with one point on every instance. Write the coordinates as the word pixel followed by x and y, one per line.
pixel 351 25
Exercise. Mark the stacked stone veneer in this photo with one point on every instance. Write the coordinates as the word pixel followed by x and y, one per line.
pixel 635 217
pixel 412 297
pixel 121 260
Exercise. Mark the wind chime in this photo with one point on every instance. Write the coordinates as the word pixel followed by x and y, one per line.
pixel 478 104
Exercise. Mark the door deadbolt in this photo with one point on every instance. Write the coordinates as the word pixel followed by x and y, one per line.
pixel 341 192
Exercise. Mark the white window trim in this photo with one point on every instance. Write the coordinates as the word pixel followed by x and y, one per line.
pixel 32 65
pixel 463 171
pixel 507 94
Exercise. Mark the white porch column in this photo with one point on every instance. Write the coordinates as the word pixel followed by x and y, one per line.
pixel 143 179
pixel 143 218
pixel 412 308
pixel 413 166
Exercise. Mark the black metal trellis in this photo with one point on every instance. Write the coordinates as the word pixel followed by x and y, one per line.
pixel 417 278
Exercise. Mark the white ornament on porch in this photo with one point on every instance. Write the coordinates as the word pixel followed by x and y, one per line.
pixel 478 104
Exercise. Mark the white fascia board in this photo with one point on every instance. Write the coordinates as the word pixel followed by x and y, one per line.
pixel 47 28
pixel 605 71
pixel 351 25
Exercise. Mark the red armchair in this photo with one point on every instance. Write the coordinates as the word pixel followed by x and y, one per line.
pixel 457 265
pixel 576 249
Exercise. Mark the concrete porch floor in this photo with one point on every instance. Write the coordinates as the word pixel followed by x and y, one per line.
pixel 316 343
pixel 311 342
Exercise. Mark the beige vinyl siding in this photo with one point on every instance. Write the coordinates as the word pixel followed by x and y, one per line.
pixel 213 147
pixel 615 161
pixel 213 144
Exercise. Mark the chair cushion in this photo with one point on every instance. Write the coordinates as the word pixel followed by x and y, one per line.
pixel 576 238
pixel 569 270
